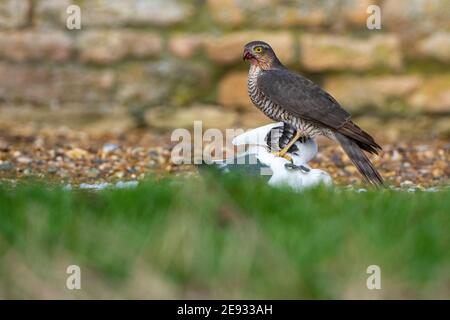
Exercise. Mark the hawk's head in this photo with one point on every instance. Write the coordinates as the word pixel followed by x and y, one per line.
pixel 261 54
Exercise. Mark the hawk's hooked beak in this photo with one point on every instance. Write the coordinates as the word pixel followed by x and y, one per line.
pixel 247 55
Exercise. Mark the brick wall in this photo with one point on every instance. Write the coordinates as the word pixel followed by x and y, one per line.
pixel 144 53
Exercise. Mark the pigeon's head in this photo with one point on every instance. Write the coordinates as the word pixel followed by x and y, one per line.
pixel 261 54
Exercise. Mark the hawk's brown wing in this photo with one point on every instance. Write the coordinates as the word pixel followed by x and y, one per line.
pixel 304 99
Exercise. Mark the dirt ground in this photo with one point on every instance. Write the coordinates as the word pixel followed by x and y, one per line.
pixel 67 156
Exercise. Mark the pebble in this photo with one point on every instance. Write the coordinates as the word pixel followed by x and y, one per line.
pixel 6 166
pixel 406 183
pixel 52 170
pixel 94 186
pixel 110 147
pixel 24 160
pixel 119 174
pixel 77 153
pixel 104 185
pixel 93 173
pixel 127 184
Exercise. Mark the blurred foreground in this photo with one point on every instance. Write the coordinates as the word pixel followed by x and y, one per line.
pixel 222 238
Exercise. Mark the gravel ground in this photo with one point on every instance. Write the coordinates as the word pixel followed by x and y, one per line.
pixel 73 157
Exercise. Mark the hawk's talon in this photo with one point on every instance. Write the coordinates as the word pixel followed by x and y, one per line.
pixel 282 155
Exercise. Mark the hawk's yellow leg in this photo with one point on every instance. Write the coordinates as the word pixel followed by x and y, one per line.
pixel 282 153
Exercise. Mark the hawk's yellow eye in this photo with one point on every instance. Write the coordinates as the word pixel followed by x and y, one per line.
pixel 258 49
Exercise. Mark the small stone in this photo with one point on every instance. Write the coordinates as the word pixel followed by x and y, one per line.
pixel 93 173
pixel 153 154
pixel 152 164
pixel 127 184
pixel 6 166
pixel 4 147
pixel 52 170
pixel 110 147
pixel 64 174
pixel 77 153
pixel 131 170
pixel 24 160
pixel 437 172
pixel 95 186
pixel 406 183
pixel 396 156
pixel 119 174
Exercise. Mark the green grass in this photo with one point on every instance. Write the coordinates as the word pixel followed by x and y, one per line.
pixel 222 238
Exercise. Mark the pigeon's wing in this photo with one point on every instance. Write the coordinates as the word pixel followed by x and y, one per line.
pixel 302 98
pixel 243 164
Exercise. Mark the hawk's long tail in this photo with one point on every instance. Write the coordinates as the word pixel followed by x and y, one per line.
pixel 353 150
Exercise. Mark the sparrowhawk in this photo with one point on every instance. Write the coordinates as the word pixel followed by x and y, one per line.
pixel 286 96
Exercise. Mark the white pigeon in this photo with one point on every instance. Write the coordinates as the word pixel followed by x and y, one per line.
pixel 296 174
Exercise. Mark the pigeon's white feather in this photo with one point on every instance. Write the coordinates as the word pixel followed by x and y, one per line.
pixel 294 178
pixel 257 137
pixel 297 179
